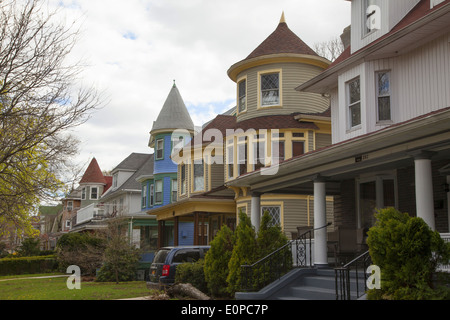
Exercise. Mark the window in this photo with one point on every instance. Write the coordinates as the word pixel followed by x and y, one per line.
pixel 242 95
pixel 270 89
pixel 183 178
pixel 115 177
pixel 199 177
pixel 144 196
pixel 68 224
pixel 277 147
pixel 69 205
pixel 298 148
pixel 177 144
pixel 259 152
pixel 158 191
pixel 83 194
pixel 354 102
pixel 174 190
pixel 159 149
pixel 371 16
pixel 274 212
pixel 152 195
pixel 242 155
pixel 94 193
pixel 230 158
pixel 383 80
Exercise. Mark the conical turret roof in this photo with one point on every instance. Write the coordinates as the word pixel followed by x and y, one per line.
pixel 174 114
pixel 282 40
pixel 93 174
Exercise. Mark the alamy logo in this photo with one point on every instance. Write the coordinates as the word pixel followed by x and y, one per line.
pixel 374 279
pixel 74 281
pixel 373 15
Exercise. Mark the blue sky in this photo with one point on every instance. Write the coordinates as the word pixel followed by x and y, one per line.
pixel 134 49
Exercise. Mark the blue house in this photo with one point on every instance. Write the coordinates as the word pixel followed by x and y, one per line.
pixel 172 128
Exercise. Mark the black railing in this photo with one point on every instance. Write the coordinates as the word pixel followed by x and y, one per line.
pixel 278 263
pixel 351 278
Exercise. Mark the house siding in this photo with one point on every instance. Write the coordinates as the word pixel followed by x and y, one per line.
pixel 293 74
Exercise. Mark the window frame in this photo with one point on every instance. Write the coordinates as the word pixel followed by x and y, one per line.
pixel 241 96
pixel 273 204
pixel 260 90
pixel 152 194
pixel 378 96
pixel 97 193
pixel 144 197
pixel 158 149
pixel 174 198
pixel 183 180
pixel 193 165
pixel 350 105
pixel 157 192
pixel 230 151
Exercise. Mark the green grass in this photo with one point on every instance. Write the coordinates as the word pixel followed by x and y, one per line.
pixel 56 289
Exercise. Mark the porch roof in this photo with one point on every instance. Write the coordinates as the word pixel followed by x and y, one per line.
pixel 385 149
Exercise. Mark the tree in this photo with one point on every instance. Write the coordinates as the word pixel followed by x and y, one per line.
pixel 330 49
pixel 216 261
pixel 120 258
pixel 39 104
pixel 244 252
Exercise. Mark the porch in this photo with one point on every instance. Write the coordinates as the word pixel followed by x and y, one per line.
pixel 193 221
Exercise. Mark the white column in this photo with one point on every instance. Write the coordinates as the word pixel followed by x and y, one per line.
pixel 448 203
pixel 424 189
pixel 255 216
pixel 320 220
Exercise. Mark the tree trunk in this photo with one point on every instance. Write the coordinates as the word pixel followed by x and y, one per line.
pixel 188 290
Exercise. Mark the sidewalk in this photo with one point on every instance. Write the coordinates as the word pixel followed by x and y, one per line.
pixel 40 277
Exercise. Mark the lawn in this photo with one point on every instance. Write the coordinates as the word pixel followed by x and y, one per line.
pixel 56 289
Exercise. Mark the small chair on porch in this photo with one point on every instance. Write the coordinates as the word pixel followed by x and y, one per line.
pixel 347 243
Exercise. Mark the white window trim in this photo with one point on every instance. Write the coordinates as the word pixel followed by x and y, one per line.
pixel 157 148
pixel 380 96
pixel 90 193
pixel 348 105
pixel 238 95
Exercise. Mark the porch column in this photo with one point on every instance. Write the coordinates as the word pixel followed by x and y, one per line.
pixel 320 220
pixel 175 231
pixel 424 188
pixel 256 210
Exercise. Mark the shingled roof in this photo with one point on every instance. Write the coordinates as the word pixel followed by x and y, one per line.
pixel 282 40
pixel 93 174
pixel 174 114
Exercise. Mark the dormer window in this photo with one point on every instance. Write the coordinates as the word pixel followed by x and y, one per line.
pixel 371 16
pixel 269 85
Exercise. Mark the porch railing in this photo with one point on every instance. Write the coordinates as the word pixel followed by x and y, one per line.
pixel 294 254
pixel 350 279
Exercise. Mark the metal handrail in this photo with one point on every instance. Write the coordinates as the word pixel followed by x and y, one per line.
pixel 342 277
pixel 279 262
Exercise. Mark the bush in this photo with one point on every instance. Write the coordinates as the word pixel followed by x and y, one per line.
pixel 192 273
pixel 244 252
pixel 28 265
pixel 216 262
pixel 82 249
pixel 407 252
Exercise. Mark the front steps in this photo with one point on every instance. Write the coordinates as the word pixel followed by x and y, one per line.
pixel 303 284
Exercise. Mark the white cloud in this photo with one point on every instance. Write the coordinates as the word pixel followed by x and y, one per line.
pixel 135 48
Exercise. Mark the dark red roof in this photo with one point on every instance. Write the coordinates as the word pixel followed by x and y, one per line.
pixel 93 174
pixel 282 40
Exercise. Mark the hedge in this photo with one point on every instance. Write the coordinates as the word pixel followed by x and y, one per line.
pixel 28 265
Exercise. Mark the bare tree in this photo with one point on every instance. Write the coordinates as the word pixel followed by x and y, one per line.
pixel 330 49
pixel 40 102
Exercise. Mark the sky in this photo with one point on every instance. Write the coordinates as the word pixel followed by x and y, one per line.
pixel 135 49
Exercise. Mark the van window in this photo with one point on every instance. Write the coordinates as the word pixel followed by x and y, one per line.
pixel 160 257
pixel 186 256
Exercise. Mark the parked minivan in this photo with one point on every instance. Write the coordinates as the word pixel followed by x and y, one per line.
pixel 163 267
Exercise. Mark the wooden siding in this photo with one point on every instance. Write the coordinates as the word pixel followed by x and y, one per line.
pixel 322 140
pixel 392 12
pixel 293 74
pixel 420 84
